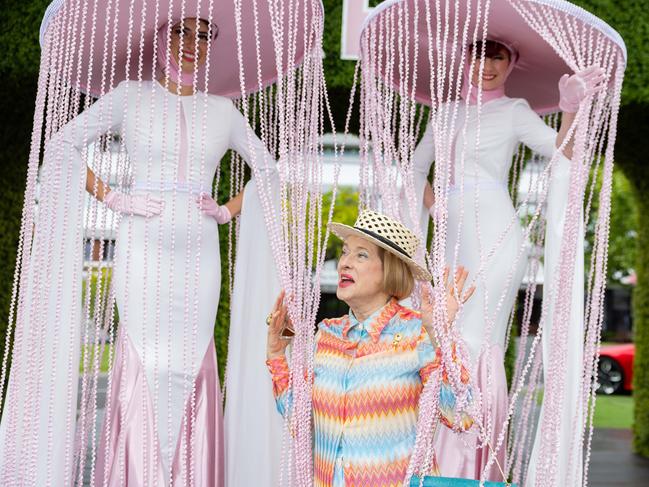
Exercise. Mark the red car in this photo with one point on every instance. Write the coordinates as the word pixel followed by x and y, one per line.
pixel 615 369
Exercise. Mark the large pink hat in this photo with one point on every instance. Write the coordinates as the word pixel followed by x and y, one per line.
pixel 119 24
pixel 538 66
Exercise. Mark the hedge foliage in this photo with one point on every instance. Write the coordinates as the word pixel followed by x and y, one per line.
pixel 631 19
pixel 630 156
pixel 19 72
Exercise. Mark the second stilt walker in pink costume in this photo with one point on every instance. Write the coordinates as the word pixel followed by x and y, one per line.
pixel 175 137
pixel 504 123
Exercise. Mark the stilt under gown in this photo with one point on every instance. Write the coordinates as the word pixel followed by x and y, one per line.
pixel 483 221
pixel 167 280
pixel 252 427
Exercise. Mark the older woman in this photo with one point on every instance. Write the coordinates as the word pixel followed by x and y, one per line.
pixel 371 365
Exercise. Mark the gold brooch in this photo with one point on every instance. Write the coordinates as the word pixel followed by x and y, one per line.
pixel 396 340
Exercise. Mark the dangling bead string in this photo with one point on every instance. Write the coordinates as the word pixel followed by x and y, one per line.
pixel 124 314
pixel 188 343
pixel 591 270
pixel 22 266
pixel 594 313
pixel 291 116
pixel 51 120
pixel 180 131
pixel 594 316
pixel 88 393
pixel 112 352
pixel 598 266
pixel 202 172
pixel 534 218
pixel 153 287
pixel 83 392
pixel 71 369
pixel 171 167
pixel 21 357
pixel 147 439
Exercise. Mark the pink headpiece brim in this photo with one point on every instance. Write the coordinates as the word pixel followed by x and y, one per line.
pixel 539 66
pixel 224 61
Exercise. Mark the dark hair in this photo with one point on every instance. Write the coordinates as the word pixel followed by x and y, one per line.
pixel 491 49
pixel 212 26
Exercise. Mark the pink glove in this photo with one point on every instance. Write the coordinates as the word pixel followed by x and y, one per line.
pixel 576 88
pixel 208 206
pixel 146 206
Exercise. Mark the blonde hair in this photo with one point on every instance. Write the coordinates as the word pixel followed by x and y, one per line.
pixel 398 280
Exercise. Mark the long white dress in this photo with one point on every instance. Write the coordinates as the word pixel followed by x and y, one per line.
pixel 483 223
pixel 166 279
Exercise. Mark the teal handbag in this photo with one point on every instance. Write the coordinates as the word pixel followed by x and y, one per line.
pixel 454 482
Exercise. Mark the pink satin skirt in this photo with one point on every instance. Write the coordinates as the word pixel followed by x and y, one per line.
pixel 129 454
pixel 458 455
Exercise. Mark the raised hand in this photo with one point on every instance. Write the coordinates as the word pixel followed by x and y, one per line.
pixel 280 328
pixel 209 207
pixel 576 88
pixel 127 204
pixel 452 301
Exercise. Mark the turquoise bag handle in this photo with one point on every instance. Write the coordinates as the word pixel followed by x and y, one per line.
pixel 454 482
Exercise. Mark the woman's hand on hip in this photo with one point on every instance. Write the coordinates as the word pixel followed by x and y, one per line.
pixel 142 205
pixel 210 208
pixel 280 328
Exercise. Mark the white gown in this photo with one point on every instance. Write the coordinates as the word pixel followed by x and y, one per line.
pixel 167 276
pixel 489 223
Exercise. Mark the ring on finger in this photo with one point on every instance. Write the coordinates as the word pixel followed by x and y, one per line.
pixel 269 318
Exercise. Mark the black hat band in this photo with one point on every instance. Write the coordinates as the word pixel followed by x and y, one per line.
pixel 384 240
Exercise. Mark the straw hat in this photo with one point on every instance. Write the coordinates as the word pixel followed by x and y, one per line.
pixel 387 233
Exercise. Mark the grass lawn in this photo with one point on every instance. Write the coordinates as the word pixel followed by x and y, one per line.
pixel 104 365
pixel 614 411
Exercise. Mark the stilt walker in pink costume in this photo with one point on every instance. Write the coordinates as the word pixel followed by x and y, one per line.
pixel 148 149
pixel 188 192
pixel 505 123
pixel 515 98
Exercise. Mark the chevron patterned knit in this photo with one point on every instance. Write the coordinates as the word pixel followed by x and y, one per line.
pixel 368 378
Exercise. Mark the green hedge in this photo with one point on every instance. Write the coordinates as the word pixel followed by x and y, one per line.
pixel 641 329
pixel 630 152
pixel 15 103
pixel 19 73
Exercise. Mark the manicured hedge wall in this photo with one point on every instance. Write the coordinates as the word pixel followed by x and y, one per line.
pixel 19 73
pixel 631 157
pixel 631 19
